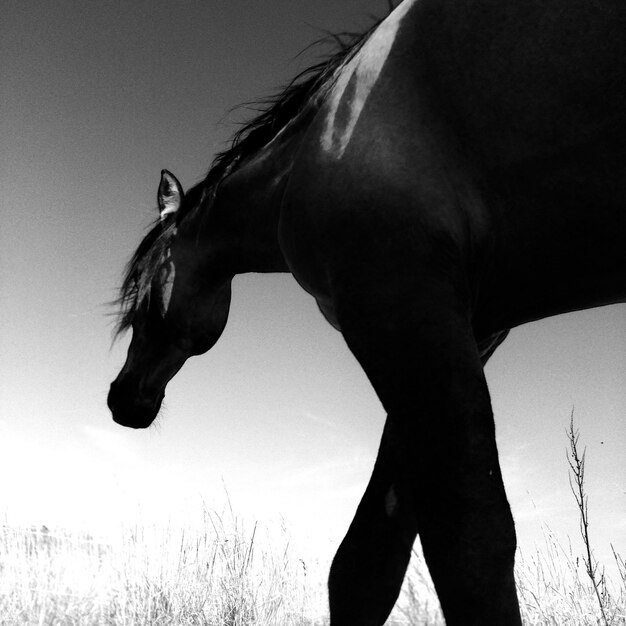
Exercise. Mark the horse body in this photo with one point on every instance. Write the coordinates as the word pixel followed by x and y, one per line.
pixel 519 143
pixel 460 173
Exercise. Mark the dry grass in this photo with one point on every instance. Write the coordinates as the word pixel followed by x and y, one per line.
pixel 554 589
pixel 227 573
pixel 231 575
pixel 225 576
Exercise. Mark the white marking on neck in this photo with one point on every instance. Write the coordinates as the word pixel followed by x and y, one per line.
pixel 363 70
pixel 167 275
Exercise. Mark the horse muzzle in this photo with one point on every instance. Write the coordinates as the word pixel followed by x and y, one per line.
pixel 133 408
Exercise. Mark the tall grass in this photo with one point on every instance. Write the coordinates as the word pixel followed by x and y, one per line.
pixel 232 575
pixel 228 573
pixel 225 575
pixel 554 589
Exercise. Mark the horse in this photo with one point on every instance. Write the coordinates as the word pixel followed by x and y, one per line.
pixel 457 170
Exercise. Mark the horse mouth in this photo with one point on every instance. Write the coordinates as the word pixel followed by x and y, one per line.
pixel 131 409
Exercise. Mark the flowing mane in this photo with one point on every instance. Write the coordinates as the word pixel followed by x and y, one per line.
pixel 274 114
pixel 279 110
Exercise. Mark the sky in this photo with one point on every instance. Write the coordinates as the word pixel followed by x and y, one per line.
pixel 95 99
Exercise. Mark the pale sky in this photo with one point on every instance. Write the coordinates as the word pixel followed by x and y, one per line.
pixel 96 98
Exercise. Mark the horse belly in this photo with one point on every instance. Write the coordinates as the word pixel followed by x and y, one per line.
pixel 559 238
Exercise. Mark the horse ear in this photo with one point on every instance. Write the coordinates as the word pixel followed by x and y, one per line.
pixel 170 194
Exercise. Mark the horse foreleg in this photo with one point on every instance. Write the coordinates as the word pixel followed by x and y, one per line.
pixel 368 569
pixel 425 366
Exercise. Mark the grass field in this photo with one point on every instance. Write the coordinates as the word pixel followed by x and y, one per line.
pixel 229 574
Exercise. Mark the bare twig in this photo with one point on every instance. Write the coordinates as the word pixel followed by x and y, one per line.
pixel 577 485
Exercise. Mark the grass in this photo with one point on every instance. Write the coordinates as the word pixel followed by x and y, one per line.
pixel 227 573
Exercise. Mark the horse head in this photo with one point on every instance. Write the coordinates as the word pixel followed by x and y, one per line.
pixel 175 298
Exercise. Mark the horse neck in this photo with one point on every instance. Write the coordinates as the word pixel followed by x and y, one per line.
pixel 249 202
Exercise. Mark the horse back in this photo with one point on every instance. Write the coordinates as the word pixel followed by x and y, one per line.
pixel 517 79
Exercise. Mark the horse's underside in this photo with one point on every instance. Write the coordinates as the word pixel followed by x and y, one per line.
pixel 462 173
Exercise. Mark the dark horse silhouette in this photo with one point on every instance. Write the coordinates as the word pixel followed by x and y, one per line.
pixel 457 171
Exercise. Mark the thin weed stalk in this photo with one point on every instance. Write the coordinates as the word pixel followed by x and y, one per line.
pixel 576 463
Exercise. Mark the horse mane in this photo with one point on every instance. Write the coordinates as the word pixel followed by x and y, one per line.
pixel 273 115
pixel 277 111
